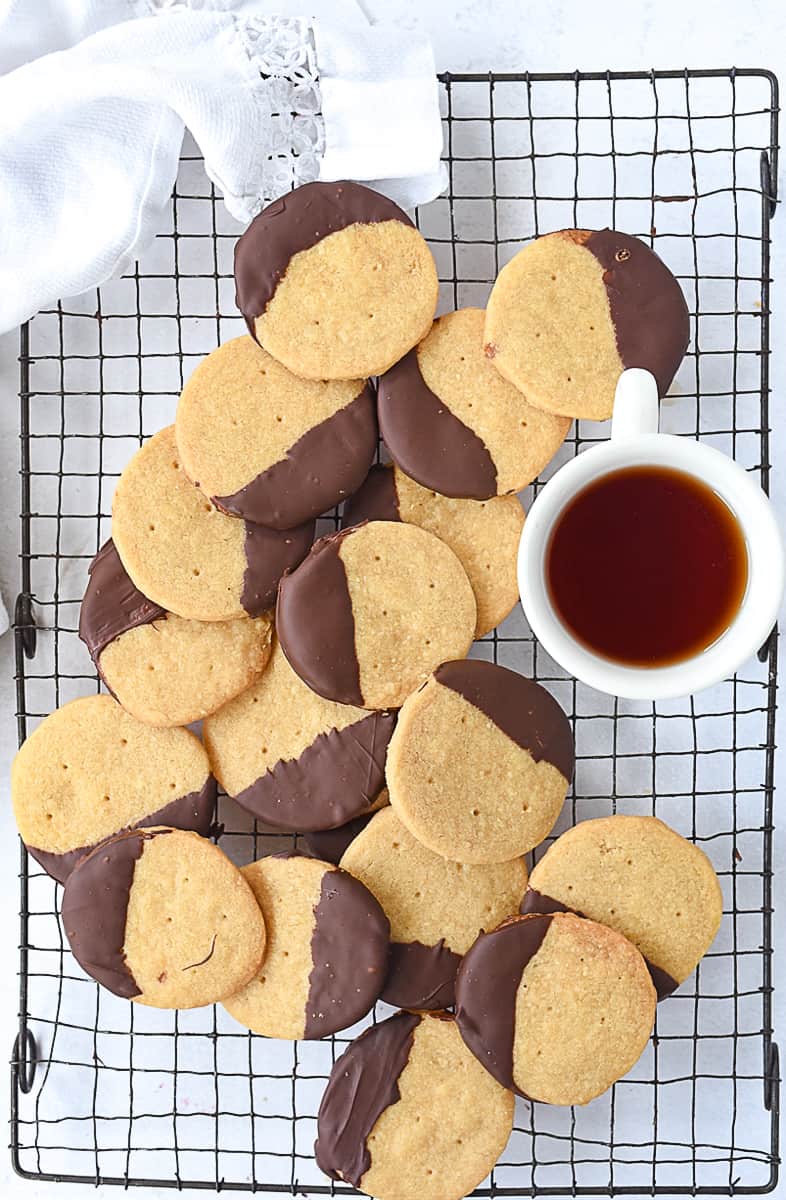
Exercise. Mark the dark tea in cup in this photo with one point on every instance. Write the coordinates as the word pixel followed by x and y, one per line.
pixel 646 566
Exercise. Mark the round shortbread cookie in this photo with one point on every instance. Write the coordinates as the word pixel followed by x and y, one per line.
pixel 573 309
pixel 436 908
pixel 185 555
pixel 409 1114
pixel 555 1007
pixel 480 763
pixel 268 446
pixel 294 760
pixel 637 876
pixel 327 950
pixel 483 533
pixel 330 845
pixel 372 610
pixel 163 917
pixel 455 425
pixel 164 669
pixel 90 771
pixel 335 281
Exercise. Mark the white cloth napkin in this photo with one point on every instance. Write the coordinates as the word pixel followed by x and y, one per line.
pixel 90 135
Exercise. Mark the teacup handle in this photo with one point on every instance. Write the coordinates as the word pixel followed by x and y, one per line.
pixel 635 405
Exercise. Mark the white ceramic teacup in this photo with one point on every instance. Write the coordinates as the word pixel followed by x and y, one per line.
pixel 635 441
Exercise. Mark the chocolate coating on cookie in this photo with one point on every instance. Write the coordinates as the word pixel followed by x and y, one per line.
pixel 112 604
pixel 375 500
pixel 648 309
pixel 427 440
pixel 323 466
pixel 421 977
pixel 535 902
pixel 95 904
pixel 663 982
pixel 194 811
pixel 270 553
pixel 363 1083
pixel 330 782
pixel 316 626
pixel 295 222
pixel 350 942
pixel 521 708
pixel 329 845
pixel 486 987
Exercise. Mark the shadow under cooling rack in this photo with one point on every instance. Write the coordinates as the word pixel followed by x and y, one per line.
pixel 105 1091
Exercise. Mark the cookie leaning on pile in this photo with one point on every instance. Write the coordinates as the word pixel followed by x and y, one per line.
pixel 363 694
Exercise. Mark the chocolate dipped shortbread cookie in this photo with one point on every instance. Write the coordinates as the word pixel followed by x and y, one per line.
pixel 480 763
pixel 327 950
pixel 293 759
pixel 409 1113
pixel 335 281
pixel 572 310
pixel 185 555
pixel 484 534
pixel 163 917
pixel 372 610
pixel 557 1008
pixel 455 424
pixel 270 447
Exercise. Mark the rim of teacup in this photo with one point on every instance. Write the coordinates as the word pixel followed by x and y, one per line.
pixel 758 610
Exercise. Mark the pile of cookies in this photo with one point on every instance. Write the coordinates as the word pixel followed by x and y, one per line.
pixel 337 701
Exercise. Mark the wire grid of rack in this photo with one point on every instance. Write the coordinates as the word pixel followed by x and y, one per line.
pixel 103 1091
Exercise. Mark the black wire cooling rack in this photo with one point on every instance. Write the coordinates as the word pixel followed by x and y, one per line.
pixel 107 1092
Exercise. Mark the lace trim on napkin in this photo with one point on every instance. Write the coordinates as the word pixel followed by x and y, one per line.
pixel 282 51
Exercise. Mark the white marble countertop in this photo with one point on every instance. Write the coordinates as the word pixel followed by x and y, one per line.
pixel 468 35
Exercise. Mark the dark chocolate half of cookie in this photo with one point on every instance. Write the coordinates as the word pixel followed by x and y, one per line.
pixel 270 554
pixel 349 950
pixel 362 1084
pixel 375 500
pixel 316 625
pixel 334 779
pixel 486 987
pixel 429 442
pixel 421 977
pixel 112 604
pixel 647 307
pixel 95 906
